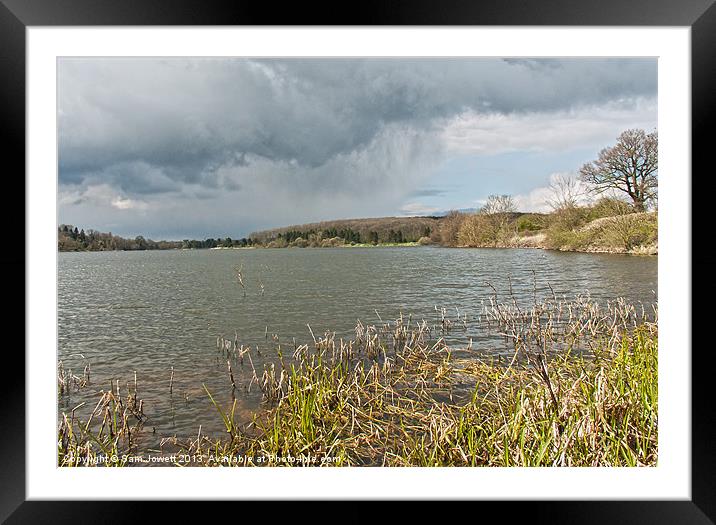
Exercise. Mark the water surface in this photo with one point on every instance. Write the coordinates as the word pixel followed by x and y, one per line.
pixel 150 311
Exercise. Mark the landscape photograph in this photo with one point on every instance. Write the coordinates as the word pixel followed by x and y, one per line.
pixel 357 262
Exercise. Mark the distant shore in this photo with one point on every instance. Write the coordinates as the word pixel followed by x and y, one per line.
pixel 536 241
pixel 533 242
pixel 586 229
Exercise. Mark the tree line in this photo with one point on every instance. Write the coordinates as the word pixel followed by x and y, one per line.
pixel 375 231
pixel 70 238
pixel 312 237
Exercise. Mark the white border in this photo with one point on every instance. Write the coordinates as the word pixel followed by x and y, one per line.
pixel 669 480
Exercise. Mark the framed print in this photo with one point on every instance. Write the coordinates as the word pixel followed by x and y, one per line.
pixel 414 252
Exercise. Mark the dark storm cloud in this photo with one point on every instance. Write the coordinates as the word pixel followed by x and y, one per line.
pixel 427 193
pixel 146 126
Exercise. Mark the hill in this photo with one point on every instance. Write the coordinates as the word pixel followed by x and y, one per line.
pixel 379 230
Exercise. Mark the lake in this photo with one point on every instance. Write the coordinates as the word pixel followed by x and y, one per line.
pixel 150 311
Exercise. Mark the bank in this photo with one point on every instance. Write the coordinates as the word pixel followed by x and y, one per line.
pixel 634 234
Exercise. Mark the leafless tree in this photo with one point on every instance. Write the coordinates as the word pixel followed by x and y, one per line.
pixel 497 204
pixel 630 166
pixel 498 208
pixel 565 192
pixel 494 217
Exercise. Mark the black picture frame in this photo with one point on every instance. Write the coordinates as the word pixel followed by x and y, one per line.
pixel 17 15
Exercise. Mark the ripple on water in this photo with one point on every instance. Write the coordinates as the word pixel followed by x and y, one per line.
pixel 151 311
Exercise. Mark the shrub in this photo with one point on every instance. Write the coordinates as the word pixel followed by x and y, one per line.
pixel 567 240
pixel 629 231
pixel 529 223
pixel 568 218
pixel 477 230
pixel 277 243
pixel 449 228
pixel 300 242
pixel 333 241
pixel 609 207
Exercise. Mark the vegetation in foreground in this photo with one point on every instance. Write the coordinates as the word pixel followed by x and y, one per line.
pixel 580 389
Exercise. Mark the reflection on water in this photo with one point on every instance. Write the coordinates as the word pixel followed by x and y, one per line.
pixel 151 311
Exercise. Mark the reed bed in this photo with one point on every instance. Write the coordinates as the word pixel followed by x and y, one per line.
pixel 578 388
pixel 108 436
pixel 68 382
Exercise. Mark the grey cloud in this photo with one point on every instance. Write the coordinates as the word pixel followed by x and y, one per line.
pixel 207 147
pixel 427 193
pixel 153 125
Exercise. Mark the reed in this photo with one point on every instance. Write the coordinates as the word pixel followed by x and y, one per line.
pixel 68 382
pixel 579 389
pixel 106 437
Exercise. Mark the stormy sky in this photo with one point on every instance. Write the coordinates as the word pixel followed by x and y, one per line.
pixel 200 147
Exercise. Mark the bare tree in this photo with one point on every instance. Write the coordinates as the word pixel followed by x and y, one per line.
pixel 497 210
pixel 630 166
pixel 497 204
pixel 565 192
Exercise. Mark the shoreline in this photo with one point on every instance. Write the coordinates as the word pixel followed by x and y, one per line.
pixel 538 242
pixel 630 233
pixel 649 251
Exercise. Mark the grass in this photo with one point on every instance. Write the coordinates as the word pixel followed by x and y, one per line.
pixel 627 233
pixel 579 389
